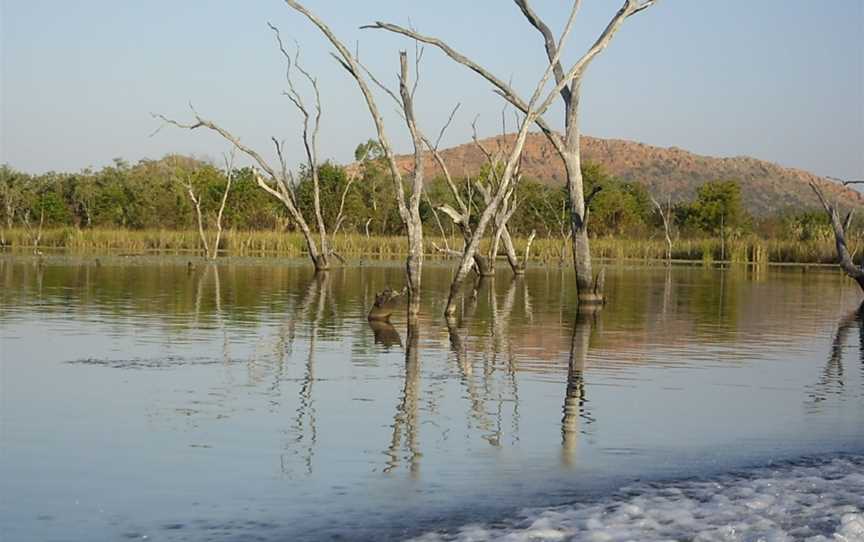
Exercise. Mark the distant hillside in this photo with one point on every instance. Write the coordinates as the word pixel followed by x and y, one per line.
pixel 767 187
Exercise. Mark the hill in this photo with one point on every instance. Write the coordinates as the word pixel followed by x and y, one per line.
pixel 767 187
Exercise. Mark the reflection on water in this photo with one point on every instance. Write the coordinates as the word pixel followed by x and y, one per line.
pixel 575 403
pixel 252 399
pixel 831 381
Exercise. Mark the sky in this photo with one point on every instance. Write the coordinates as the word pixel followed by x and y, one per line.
pixel 779 80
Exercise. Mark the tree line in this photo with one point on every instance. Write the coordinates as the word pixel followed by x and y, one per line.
pixel 152 194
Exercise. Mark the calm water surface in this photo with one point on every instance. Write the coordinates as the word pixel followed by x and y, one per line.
pixel 143 399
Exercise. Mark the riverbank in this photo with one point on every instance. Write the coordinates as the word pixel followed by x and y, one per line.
pixel 752 249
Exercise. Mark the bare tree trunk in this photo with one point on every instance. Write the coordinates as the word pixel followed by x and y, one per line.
pixel 197 203
pixel 665 217
pixel 229 177
pixel 510 250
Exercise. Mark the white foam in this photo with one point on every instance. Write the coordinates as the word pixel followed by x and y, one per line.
pixel 817 502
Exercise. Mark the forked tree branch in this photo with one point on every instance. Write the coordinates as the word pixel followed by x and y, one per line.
pixel 350 63
pixel 503 88
pixel 549 40
pixel 846 262
pixel 310 140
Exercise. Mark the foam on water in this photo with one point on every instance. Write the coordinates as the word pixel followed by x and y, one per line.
pixel 816 501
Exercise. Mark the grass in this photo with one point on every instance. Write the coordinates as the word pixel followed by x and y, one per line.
pixel 259 243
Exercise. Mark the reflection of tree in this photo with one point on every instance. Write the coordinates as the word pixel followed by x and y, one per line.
pixel 832 380
pixel 305 419
pixel 405 420
pixel 575 409
pixel 481 389
pixel 304 426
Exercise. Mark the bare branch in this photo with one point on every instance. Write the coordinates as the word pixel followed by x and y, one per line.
pixel 443 165
pixel 643 6
pixel 340 217
pixel 846 262
pixel 594 191
pixel 503 88
pixel 528 247
pixel 446 125
pixel 454 215
pixel 350 63
pixel 447 251
pixel 200 122
pixel 229 178
pixel 549 39
pixel 845 182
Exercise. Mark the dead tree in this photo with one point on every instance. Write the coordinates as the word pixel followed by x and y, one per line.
pixel 35 235
pixel 846 263
pixel 210 250
pixel 666 217
pixel 409 205
pixel 280 183
pixel 568 146
pixel 484 264
pixel 509 205
pixel 533 111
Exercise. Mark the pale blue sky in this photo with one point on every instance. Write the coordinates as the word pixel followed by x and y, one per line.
pixel 779 80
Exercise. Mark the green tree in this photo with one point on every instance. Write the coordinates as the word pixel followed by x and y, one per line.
pixel 718 208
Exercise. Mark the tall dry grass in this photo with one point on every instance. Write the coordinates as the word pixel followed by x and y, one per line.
pixel 260 243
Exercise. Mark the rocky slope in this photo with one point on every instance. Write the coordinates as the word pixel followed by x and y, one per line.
pixel 767 187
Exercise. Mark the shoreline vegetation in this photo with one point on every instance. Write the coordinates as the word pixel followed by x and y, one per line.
pixel 550 251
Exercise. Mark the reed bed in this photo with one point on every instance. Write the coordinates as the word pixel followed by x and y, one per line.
pixel 753 250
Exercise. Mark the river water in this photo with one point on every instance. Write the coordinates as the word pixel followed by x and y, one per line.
pixel 147 399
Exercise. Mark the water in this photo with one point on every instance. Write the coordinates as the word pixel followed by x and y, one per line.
pixel 143 399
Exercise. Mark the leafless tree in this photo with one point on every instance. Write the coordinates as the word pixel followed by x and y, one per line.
pixel 568 146
pixel 840 227
pixel 408 204
pixel 666 217
pixel 280 182
pixel 35 235
pixel 185 178
pixel 486 186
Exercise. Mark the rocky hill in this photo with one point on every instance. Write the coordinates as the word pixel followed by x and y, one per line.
pixel 766 187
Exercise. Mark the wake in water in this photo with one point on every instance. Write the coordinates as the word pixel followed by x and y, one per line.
pixel 815 501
